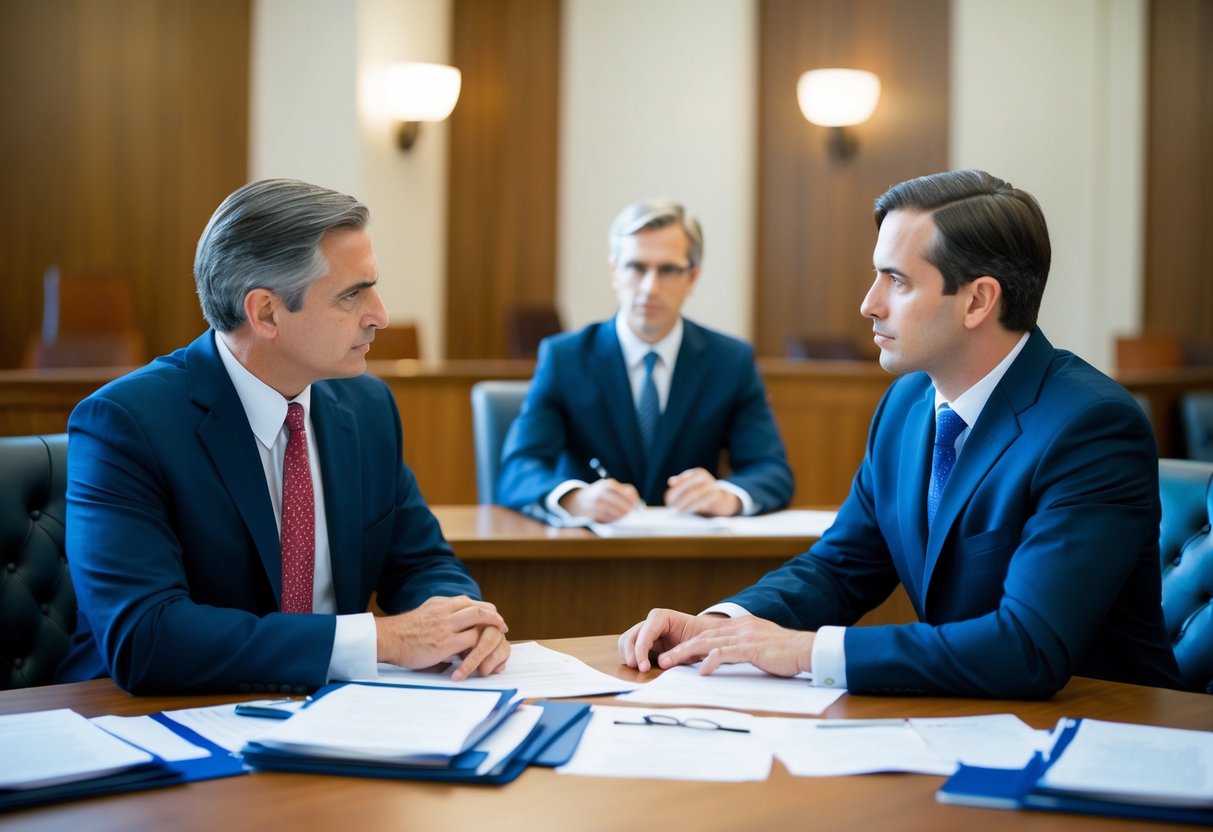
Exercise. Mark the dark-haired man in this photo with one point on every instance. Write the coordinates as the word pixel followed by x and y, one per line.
pixel 1010 487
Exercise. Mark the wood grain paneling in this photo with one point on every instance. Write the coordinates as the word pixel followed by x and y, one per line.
pixel 814 230
pixel 125 124
pixel 1178 291
pixel 501 238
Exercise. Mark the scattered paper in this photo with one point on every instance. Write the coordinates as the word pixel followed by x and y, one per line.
pixel 669 752
pixel 535 671
pixel 740 686
pixel 152 736
pixel 47 748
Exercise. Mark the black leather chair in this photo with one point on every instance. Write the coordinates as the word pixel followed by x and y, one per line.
pixel 494 406
pixel 1186 490
pixel 37 602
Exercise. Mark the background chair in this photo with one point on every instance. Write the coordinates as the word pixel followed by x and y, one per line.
pixel 1196 414
pixel 88 320
pixel 37 602
pixel 1186 491
pixel 494 406
pixel 526 325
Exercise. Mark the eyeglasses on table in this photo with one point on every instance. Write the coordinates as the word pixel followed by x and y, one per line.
pixel 695 723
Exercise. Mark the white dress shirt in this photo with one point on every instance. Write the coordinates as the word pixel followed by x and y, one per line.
pixel 355 644
pixel 829 656
pixel 634 351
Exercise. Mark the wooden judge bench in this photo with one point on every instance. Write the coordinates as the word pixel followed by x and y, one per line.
pixel 559 583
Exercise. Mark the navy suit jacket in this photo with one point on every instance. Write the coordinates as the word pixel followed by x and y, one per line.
pixel 1043 558
pixel 580 407
pixel 173 545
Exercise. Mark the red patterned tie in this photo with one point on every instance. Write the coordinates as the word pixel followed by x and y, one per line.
pixel 298 517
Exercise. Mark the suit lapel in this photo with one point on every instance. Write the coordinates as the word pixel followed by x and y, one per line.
pixel 916 459
pixel 606 363
pixel 690 373
pixel 229 442
pixel 340 457
pixel 996 429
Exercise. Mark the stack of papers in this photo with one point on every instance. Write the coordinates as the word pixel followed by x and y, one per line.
pixel 57 755
pixel 1105 768
pixel 658 522
pixel 417 732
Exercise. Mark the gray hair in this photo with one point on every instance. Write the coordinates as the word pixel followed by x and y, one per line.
pixel 658 213
pixel 266 235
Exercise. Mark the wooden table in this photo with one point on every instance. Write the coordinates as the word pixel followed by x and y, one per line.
pixel 541 800
pixel 555 583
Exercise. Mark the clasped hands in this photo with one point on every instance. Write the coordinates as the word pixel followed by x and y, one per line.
pixel 442 628
pixel 694 491
pixel 678 638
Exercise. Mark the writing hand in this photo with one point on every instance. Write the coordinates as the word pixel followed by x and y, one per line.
pixel 603 501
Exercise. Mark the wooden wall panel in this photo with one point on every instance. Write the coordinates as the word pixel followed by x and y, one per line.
pixel 815 231
pixel 125 124
pixel 501 238
pixel 1178 292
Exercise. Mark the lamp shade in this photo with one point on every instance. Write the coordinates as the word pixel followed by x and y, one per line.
pixel 838 97
pixel 414 91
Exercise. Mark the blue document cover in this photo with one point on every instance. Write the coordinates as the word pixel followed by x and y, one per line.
pixel 1023 789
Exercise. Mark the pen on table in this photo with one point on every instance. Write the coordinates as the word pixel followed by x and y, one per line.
pixel 862 723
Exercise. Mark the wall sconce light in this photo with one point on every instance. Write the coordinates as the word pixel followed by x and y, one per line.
pixel 411 93
pixel 838 98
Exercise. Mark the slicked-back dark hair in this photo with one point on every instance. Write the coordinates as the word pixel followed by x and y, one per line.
pixel 984 227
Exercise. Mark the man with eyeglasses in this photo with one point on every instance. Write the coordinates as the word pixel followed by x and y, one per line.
pixel 638 409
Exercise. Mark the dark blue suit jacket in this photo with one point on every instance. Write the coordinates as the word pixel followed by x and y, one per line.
pixel 1043 558
pixel 580 407
pixel 173 545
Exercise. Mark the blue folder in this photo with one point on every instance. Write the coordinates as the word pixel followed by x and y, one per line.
pixel 995 788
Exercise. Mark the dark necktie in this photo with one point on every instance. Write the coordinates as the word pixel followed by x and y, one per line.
pixel 948 426
pixel 298 517
pixel 648 411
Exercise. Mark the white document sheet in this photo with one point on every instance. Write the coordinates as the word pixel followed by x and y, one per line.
pixel 657 521
pixel 1136 764
pixel 809 750
pixel 150 735
pixel 669 752
pixel 741 686
pixel 508 736
pixel 46 748
pixel 221 725
pixel 828 748
pixel 790 523
pixel 536 671
pixel 384 723
pixel 989 741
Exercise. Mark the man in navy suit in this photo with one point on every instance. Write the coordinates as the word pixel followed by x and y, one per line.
pixel 1024 528
pixel 178 480
pixel 640 407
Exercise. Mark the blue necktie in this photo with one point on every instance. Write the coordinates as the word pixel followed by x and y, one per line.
pixel 948 426
pixel 649 409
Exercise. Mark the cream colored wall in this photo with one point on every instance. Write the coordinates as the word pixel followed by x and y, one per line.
pixel 309 58
pixel 1050 96
pixel 657 98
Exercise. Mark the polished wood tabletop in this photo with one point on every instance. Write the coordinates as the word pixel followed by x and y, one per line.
pixel 542 800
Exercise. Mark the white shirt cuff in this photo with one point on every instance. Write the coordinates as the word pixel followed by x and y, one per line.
pixel 729 608
pixel 552 501
pixel 355 647
pixel 829 658
pixel 747 502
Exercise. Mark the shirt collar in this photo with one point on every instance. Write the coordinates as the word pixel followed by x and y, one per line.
pixel 969 404
pixel 634 349
pixel 263 405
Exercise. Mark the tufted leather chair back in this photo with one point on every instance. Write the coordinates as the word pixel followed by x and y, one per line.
pixel 1186 490
pixel 37 602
